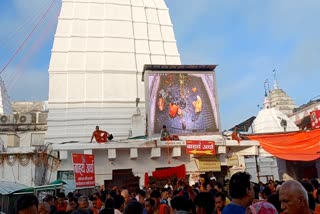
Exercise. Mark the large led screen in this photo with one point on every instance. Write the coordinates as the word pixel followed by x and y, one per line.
pixel 186 102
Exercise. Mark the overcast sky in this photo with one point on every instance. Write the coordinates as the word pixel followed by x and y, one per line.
pixel 247 39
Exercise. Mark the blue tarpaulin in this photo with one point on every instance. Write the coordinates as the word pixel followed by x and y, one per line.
pixel 8 187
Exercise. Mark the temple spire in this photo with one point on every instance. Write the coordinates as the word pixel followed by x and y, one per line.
pixel 275 84
pixel 266 87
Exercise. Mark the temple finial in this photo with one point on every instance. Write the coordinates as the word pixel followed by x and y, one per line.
pixel 266 90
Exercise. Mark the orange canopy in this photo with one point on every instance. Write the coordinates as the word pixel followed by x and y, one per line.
pixel 298 146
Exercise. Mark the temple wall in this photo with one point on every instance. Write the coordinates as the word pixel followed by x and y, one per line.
pixel 97 59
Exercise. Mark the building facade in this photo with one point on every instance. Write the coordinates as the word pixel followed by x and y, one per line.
pixel 23 154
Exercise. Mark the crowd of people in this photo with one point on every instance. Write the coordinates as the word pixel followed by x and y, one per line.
pixel 235 196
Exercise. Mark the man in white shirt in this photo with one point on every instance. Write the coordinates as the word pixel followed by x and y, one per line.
pixel 118 204
pixel 168 184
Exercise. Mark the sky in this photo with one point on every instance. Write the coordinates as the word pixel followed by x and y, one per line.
pixel 247 39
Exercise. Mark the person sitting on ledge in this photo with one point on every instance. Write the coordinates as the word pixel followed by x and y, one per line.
pixel 165 135
pixel 100 136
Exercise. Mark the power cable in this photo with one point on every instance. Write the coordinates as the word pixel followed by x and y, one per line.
pixel 25 41
pixel 44 34
pixel 22 30
pixel 27 22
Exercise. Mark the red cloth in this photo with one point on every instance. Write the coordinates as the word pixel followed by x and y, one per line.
pixel 164 209
pixel 298 146
pixel 62 207
pixel 101 136
pixel 179 171
pixel 146 179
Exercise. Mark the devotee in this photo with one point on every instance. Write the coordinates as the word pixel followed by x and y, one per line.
pixel 27 204
pixel 261 207
pixel 133 207
pixel 241 192
pixel 43 208
pixel 168 184
pixel 61 202
pixel 180 205
pixel 219 187
pixel 204 203
pixel 309 188
pixel 265 193
pixel 236 135
pixel 118 204
pixel 317 196
pixel 125 194
pixel 100 136
pixel 274 200
pixel 93 204
pixel 203 184
pixel 109 206
pixel 294 198
pixel 164 134
pixel 160 208
pixel 83 207
pixel 220 202
pixel 72 205
pixel 51 201
pixel 150 206
pixel 164 196
pixel 98 200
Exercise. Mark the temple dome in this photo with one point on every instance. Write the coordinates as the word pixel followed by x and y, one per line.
pixel 269 120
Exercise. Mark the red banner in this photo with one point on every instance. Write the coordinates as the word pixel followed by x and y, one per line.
pixel 83 167
pixel 200 147
pixel 315 119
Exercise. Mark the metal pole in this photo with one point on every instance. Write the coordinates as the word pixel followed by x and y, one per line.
pixel 257 168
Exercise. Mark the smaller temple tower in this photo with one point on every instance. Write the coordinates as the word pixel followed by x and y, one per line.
pixel 280 100
pixel 5 104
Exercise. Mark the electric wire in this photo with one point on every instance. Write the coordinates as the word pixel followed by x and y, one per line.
pixel 14 37
pixel 26 39
pixel 43 35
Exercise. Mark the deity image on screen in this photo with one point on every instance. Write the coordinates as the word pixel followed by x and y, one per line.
pixel 184 102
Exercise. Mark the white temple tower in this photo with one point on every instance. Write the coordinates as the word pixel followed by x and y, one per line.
pixel 99 50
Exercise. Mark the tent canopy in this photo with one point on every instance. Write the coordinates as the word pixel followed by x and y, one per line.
pixel 297 146
pixel 8 187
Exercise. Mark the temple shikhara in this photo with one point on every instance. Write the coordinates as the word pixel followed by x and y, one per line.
pixel 98 54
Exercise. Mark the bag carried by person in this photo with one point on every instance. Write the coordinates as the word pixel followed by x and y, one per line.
pixel 110 137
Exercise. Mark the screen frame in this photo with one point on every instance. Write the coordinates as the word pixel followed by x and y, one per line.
pixel 193 71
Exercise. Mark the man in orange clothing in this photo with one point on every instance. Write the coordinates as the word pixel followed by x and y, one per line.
pixel 99 135
pixel 236 135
